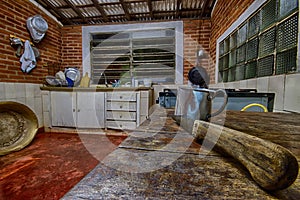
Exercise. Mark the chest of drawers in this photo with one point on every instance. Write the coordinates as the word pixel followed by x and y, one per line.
pixel 122 110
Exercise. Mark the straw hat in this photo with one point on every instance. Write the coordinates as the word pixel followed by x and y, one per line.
pixel 18 126
pixel 37 27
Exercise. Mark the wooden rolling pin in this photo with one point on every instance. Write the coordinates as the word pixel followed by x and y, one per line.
pixel 272 166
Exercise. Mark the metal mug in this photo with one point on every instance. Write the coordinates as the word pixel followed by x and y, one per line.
pixel 196 103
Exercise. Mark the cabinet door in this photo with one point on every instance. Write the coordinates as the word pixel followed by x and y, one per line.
pixel 90 110
pixel 63 106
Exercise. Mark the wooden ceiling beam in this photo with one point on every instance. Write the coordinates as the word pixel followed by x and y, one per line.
pixel 150 8
pixel 179 4
pixel 76 10
pixel 205 4
pixel 126 10
pixel 56 12
pixel 179 12
pixel 101 10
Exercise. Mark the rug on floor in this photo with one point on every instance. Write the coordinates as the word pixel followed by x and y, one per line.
pixel 52 164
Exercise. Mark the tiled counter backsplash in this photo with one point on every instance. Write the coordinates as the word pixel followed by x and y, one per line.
pixel 25 93
pixel 285 87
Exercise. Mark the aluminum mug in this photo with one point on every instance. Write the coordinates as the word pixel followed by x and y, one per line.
pixel 196 103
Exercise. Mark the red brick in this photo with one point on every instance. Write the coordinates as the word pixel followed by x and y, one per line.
pixel 13 21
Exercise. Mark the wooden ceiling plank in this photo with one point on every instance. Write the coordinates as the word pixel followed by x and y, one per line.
pixel 57 12
pixel 101 10
pixel 178 13
pixel 76 10
pixel 126 10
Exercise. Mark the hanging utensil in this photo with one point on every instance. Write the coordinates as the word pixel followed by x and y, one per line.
pixel 18 44
pixel 198 75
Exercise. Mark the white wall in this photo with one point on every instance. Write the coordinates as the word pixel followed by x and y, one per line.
pixel 285 87
pixel 25 93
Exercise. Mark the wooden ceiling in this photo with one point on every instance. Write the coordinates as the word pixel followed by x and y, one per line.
pixel 76 12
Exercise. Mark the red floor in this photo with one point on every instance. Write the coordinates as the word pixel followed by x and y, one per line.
pixel 52 164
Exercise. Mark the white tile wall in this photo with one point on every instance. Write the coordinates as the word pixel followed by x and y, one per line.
pixel 2 92
pixel 285 87
pixel 10 93
pixel 38 108
pixel 232 85
pixel 25 93
pixel 243 84
pixel 20 90
pixel 292 93
pixel 262 84
pixel 276 85
pixel 46 108
pixel 251 83
pixel 218 85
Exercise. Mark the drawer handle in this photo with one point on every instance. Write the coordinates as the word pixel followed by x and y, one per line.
pixel 121 97
pixel 120 116
pixel 121 106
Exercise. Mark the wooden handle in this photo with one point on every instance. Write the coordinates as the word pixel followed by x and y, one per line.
pixel 272 166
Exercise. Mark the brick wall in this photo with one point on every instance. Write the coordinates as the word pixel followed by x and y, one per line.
pixel 13 16
pixel 224 15
pixel 71 46
pixel 62 45
pixel 196 36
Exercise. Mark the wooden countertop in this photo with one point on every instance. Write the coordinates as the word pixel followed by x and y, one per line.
pixel 94 89
pixel 159 160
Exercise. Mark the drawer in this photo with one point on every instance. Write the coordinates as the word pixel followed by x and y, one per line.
pixel 120 105
pixel 121 115
pixel 121 125
pixel 121 96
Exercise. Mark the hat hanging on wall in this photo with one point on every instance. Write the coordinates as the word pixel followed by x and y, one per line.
pixel 37 27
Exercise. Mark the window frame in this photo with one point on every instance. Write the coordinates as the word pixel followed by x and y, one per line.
pixel 88 31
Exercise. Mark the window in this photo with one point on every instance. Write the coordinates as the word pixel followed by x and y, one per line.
pixel 134 51
pixel 264 44
pixel 134 54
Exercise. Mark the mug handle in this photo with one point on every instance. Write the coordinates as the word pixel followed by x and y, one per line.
pixel 212 95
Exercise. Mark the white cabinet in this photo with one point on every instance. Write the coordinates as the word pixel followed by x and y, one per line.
pixel 63 109
pixel 122 110
pixel 127 110
pixel 145 104
pixel 77 109
pixel 96 109
pixel 90 110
